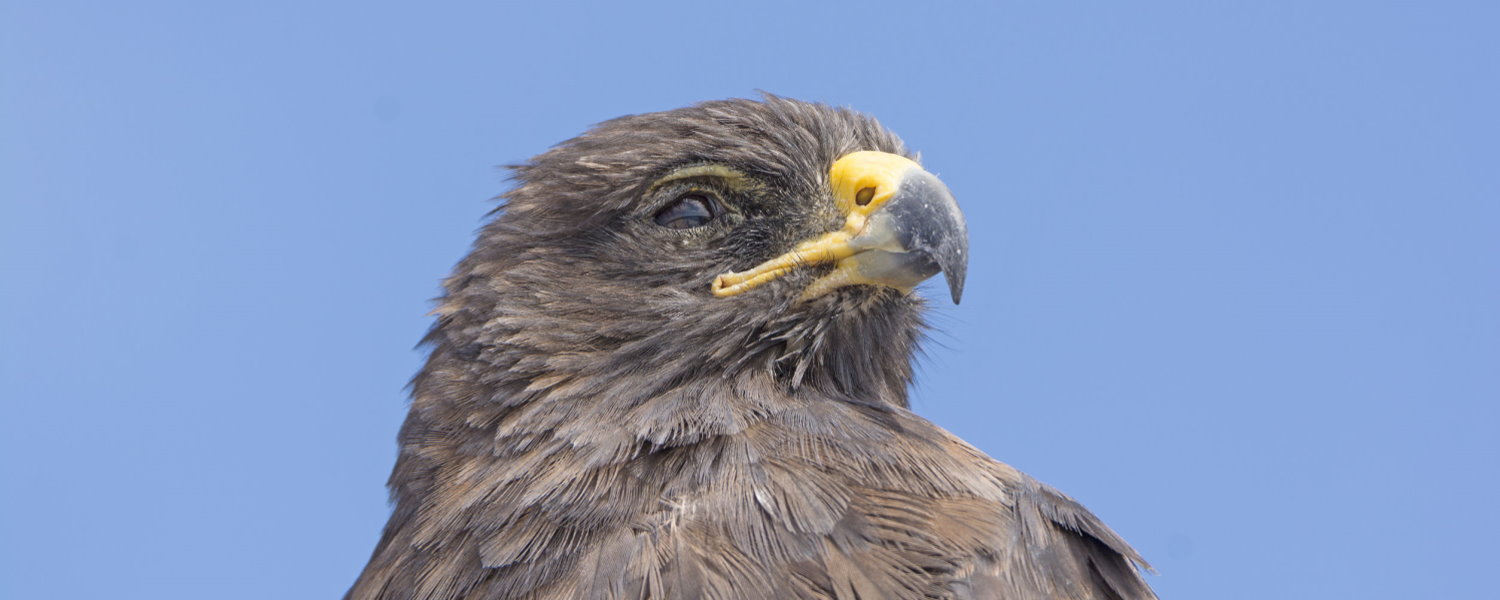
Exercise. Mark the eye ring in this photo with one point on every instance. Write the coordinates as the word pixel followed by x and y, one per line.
pixel 689 211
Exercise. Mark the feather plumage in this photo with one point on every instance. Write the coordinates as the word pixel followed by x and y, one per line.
pixel 593 424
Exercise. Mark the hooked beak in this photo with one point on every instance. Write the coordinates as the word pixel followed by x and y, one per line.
pixel 901 227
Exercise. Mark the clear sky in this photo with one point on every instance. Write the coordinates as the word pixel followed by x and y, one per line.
pixel 1235 280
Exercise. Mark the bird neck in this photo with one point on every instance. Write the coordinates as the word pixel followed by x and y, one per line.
pixel 532 370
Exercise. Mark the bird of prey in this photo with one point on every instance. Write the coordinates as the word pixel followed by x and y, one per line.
pixel 675 366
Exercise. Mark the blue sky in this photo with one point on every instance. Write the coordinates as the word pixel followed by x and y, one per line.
pixel 1234 279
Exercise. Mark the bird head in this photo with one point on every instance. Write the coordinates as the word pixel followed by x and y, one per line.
pixel 771 236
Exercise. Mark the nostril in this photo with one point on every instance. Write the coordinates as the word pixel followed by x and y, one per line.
pixel 864 196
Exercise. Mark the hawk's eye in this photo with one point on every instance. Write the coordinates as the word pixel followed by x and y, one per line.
pixel 687 212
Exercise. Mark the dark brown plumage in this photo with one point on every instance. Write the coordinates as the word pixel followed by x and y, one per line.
pixel 594 423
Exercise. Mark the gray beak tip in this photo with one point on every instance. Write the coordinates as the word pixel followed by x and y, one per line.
pixel 934 226
pixel 955 284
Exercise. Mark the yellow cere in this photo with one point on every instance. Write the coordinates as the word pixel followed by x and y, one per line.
pixel 861 172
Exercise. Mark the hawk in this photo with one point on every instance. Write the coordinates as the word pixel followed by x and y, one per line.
pixel 675 365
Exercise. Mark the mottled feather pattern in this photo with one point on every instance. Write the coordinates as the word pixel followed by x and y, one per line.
pixel 591 423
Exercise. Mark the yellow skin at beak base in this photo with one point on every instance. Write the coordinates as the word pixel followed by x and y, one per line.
pixel 878 175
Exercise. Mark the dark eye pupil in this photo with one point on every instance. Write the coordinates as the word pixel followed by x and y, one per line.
pixel 686 213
